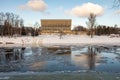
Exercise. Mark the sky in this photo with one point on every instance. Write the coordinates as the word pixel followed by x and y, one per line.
pixel 33 11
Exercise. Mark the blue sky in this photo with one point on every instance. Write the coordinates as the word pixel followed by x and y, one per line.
pixel 56 9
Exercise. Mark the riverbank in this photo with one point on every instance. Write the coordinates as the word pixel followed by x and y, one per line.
pixel 62 76
pixel 55 39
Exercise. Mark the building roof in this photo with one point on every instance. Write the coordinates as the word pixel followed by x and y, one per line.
pixel 56 19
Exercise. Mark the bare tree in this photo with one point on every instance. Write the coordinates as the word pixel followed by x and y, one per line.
pixel 36 29
pixel 12 17
pixel 10 24
pixel 21 25
pixel 1 23
pixel 91 23
pixel 7 23
pixel 61 33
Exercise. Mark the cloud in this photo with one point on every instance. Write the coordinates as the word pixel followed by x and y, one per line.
pixel 35 5
pixel 85 10
pixel 117 12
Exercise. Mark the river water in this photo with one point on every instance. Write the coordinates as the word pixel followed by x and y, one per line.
pixel 60 58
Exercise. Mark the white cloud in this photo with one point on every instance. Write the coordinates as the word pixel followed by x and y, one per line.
pixel 35 5
pixel 85 10
pixel 117 12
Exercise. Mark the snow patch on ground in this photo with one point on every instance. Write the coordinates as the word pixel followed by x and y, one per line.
pixel 55 39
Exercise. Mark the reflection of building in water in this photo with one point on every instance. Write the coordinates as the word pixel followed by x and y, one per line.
pixel 53 58
pixel 85 57
pixel 10 54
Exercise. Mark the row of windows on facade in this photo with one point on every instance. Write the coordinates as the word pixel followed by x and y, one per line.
pixel 63 22
pixel 56 25
pixel 60 28
pixel 56 31
pixel 54 22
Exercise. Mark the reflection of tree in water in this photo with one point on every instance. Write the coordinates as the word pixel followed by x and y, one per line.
pixel 91 57
pixel 11 54
pixel 86 57
pixel 11 59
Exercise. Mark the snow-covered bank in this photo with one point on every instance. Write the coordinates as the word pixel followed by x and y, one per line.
pixel 81 40
pixel 21 40
pixel 55 39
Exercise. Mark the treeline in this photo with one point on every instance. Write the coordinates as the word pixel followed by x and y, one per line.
pixel 12 25
pixel 79 28
pixel 99 30
pixel 106 30
pixel 30 31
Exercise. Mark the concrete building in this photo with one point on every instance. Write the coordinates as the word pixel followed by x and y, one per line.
pixel 51 26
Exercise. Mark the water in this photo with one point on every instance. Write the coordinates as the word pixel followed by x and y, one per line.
pixel 60 58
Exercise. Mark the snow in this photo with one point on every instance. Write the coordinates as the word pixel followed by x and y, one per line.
pixel 80 39
pixel 55 39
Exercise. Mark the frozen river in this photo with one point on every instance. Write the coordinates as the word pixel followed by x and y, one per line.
pixel 60 58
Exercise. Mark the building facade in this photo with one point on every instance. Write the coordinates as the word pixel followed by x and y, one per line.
pixel 50 26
